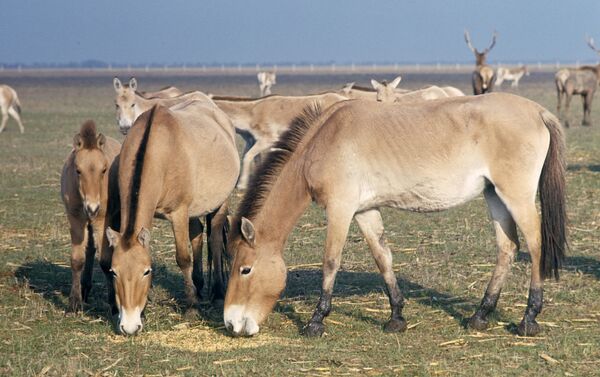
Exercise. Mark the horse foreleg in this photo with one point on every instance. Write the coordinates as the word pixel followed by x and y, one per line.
pixel 371 226
pixel 106 252
pixel 338 222
pixel 17 117
pixel 568 97
pixel 180 223
pixel 79 238
pixel 4 120
pixel 88 269
pixel 507 242
pixel 196 239
pixel 587 108
pixel 217 250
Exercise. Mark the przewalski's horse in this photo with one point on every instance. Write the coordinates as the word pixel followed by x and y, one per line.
pixel 130 104
pixel 177 163
pixel 166 92
pixel 388 92
pixel 359 156
pixel 265 81
pixel 10 105
pixel 483 75
pixel 511 74
pixel 84 188
pixel 582 81
pixel 265 119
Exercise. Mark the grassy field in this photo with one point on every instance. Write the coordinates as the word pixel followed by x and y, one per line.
pixel 443 263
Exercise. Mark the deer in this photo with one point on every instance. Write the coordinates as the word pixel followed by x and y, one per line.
pixel 483 76
pixel 582 81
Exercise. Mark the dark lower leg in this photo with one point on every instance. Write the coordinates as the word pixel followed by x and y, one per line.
pixel 528 326
pixel 315 326
pixel 397 323
pixel 90 252
pixel 479 320
pixel 196 238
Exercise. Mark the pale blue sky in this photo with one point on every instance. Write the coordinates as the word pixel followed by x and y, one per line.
pixel 272 31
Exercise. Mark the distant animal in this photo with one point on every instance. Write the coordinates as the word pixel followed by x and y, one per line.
pixel 84 187
pixel 180 164
pixel 166 92
pixel 353 91
pixel 10 105
pixel 262 120
pixel 358 156
pixel 582 81
pixel 129 103
pixel 265 81
pixel 483 76
pixel 511 74
pixel 388 92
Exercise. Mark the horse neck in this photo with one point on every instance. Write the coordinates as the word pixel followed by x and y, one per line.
pixel 283 206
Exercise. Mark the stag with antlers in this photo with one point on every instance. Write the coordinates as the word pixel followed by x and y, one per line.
pixel 581 81
pixel 483 75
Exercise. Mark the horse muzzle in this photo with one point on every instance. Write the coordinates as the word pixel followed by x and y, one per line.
pixel 239 323
pixel 92 210
pixel 130 321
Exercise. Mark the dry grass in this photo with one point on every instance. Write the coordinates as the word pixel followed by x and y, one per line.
pixel 443 262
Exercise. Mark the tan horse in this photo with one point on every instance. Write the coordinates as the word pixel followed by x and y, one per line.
pixel 265 119
pixel 265 81
pixel 388 92
pixel 360 156
pixel 130 104
pixel 10 105
pixel 180 164
pixel 511 74
pixel 84 187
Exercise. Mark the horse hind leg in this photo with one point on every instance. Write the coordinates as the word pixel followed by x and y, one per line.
pixel 371 226
pixel 507 242
pixel 12 112
pixel 4 119
pixel 79 239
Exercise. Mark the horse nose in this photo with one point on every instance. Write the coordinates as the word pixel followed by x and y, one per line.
pixel 134 332
pixel 92 209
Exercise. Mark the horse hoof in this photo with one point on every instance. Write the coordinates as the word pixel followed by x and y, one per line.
pixel 528 328
pixel 314 329
pixel 395 325
pixel 478 323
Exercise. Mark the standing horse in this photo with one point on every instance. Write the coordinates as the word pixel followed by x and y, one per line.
pixel 84 188
pixel 178 163
pixel 10 105
pixel 265 81
pixel 511 74
pixel 130 104
pixel 359 156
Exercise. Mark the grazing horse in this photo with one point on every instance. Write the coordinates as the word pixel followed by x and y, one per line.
pixel 582 81
pixel 265 81
pixel 265 119
pixel 359 156
pixel 130 104
pixel 511 74
pixel 388 92
pixel 10 105
pixel 483 76
pixel 84 188
pixel 177 163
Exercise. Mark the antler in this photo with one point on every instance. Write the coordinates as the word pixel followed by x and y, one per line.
pixel 468 40
pixel 590 42
pixel 493 42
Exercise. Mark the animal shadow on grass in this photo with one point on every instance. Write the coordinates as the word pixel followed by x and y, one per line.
pixel 53 283
pixel 578 167
pixel 305 285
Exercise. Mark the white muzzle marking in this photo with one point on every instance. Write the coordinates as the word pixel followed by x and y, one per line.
pixel 239 322
pixel 130 322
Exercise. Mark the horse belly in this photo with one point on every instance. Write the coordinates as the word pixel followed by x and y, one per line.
pixel 426 195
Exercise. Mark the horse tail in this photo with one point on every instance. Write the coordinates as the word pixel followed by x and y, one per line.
pixel 552 189
pixel 136 180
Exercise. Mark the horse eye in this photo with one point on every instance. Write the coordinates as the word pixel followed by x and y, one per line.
pixel 147 272
pixel 245 270
pixel 78 172
pixel 133 105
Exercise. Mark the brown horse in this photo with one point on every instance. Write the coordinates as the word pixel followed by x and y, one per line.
pixel 84 187
pixel 359 156
pixel 177 163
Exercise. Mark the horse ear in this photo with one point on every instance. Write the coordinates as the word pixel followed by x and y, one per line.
pixel 248 231
pixel 113 237
pixel 348 87
pixel 144 237
pixel 376 85
pixel 395 83
pixel 117 84
pixel 133 83
pixel 101 141
pixel 77 142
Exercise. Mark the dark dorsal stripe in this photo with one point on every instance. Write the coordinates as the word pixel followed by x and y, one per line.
pixel 87 133
pixel 363 88
pixel 262 181
pixel 136 179
pixel 240 99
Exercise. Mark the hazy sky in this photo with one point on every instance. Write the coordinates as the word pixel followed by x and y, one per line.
pixel 267 31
